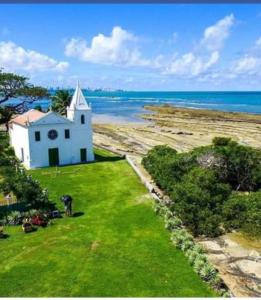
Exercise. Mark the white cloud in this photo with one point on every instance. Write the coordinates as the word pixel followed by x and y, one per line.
pixel 215 35
pixel 120 48
pixel 249 63
pixel 14 57
pixel 203 58
pixel 190 65
pixel 117 49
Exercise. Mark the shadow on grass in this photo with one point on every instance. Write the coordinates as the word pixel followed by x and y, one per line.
pixel 78 214
pixel 34 229
pixel 4 236
pixel 101 158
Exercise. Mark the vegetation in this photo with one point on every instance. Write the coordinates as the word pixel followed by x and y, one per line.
pixel 60 101
pixel 212 187
pixel 16 86
pixel 15 180
pixel 113 246
pixel 6 114
pixel 194 252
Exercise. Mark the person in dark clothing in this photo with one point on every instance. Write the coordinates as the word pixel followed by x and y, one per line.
pixel 67 200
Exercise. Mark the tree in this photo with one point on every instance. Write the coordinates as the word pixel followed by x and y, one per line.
pixel 198 200
pixel 241 166
pixel 16 86
pixel 6 114
pixel 61 100
pixel 38 107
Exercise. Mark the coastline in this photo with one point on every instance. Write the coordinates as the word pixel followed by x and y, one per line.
pixel 180 128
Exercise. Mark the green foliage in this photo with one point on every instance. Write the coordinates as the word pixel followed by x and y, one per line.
pixel 198 200
pixel 241 166
pixel 180 237
pixel 26 190
pixel 208 272
pixel 252 223
pixel 6 114
pixel 200 183
pixel 14 86
pixel 234 211
pixel 244 212
pixel 15 180
pixel 173 223
pixel 60 101
pixel 38 107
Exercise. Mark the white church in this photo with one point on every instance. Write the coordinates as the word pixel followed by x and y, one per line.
pixel 49 139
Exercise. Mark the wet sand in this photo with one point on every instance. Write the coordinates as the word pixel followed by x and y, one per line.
pixel 180 128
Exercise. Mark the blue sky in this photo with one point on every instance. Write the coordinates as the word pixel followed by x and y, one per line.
pixel 134 47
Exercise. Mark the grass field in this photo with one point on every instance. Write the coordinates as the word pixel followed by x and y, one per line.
pixel 114 246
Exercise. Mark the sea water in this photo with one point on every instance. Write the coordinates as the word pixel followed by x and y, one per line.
pixel 124 105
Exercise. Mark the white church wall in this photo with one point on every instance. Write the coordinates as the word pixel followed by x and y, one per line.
pixel 69 149
pixel 20 142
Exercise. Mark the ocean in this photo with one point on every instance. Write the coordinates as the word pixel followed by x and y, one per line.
pixel 126 106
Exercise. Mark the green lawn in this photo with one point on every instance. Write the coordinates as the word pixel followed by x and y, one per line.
pixel 115 247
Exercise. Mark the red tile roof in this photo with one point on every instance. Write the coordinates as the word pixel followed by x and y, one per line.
pixel 30 116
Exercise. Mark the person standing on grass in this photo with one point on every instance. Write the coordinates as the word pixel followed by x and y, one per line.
pixel 67 200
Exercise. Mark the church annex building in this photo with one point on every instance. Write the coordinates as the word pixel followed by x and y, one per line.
pixel 49 139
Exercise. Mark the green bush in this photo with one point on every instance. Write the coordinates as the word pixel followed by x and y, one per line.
pixel 241 166
pixel 198 200
pixel 243 211
pixel 234 211
pixel 199 263
pixel 173 223
pixel 252 224
pixel 208 272
pixel 200 183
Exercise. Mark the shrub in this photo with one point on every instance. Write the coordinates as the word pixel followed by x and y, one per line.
pixel 244 212
pixel 207 272
pixel 186 245
pixel 234 211
pixel 242 165
pixel 252 222
pixel 173 223
pixel 198 200
pixel 200 183
pixel 179 237
pixel 199 262
pixel 194 253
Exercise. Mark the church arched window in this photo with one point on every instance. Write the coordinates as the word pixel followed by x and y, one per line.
pixel 82 119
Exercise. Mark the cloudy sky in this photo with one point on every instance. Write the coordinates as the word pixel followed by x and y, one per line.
pixel 134 47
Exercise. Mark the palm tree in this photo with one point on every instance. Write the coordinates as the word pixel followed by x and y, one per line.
pixel 6 113
pixel 60 101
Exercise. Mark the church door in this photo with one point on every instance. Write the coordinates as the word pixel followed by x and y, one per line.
pixel 83 155
pixel 53 156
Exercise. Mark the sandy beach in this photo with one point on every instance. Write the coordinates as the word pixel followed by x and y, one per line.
pixel 180 128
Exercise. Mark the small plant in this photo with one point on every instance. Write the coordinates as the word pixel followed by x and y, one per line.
pixel 15 218
pixel 199 263
pixel 187 245
pixel 208 272
pixel 32 212
pixel 173 223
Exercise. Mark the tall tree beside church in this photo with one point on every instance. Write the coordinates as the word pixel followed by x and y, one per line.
pixel 60 101
pixel 13 86
pixel 6 113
